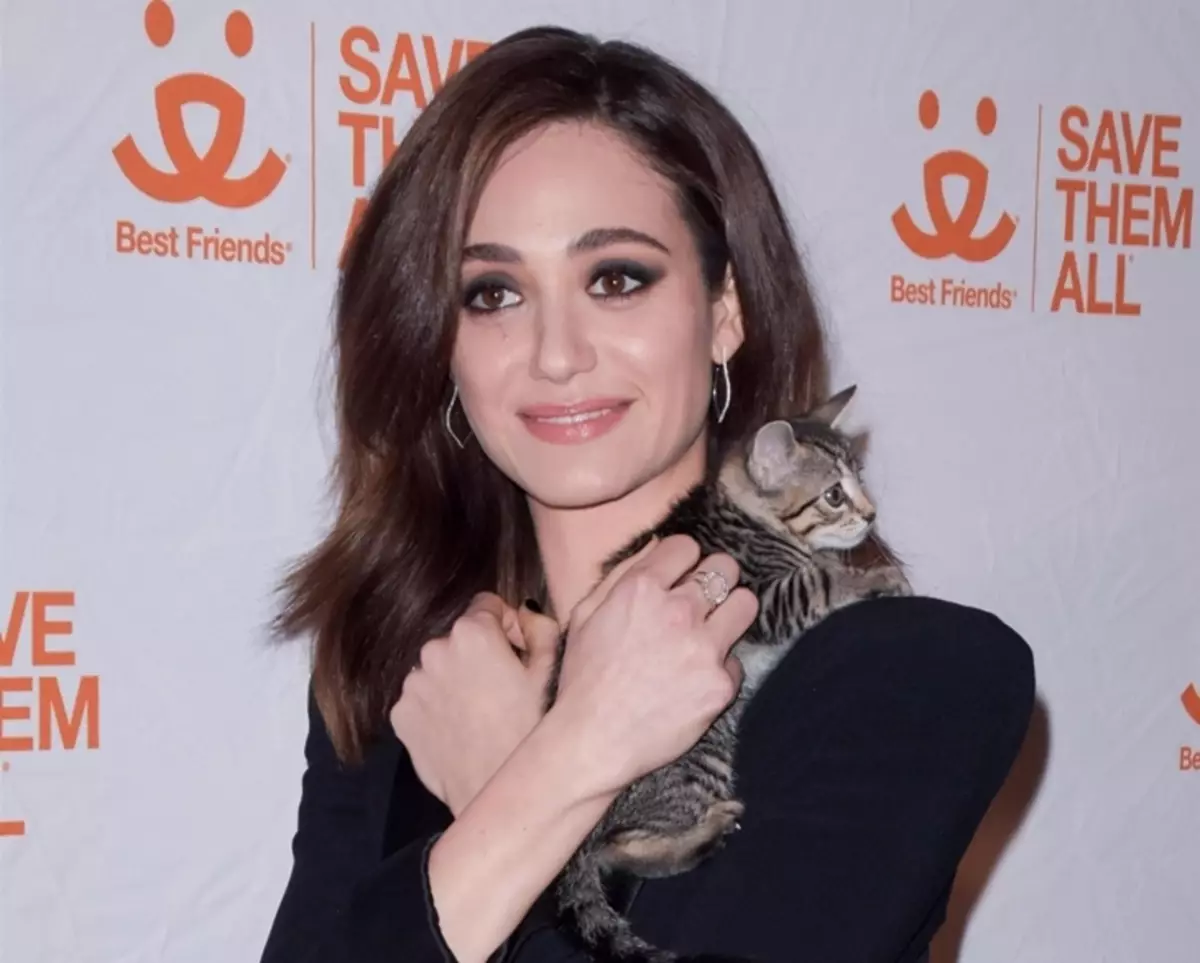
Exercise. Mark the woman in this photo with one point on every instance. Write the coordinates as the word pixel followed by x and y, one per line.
pixel 574 249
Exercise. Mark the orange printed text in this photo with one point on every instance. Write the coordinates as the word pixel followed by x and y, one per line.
pixel 405 76
pixel 35 707
pixel 1119 189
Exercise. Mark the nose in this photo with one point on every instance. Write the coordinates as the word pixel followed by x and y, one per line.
pixel 562 348
pixel 869 517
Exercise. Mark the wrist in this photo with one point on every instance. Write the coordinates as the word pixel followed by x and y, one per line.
pixel 511 841
pixel 590 768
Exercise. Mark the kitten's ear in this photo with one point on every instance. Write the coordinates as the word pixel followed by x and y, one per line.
pixel 830 411
pixel 860 444
pixel 771 455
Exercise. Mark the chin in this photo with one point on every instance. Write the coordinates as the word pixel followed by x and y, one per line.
pixel 576 489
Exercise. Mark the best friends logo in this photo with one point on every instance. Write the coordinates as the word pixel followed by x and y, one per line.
pixel 199 176
pixel 963 235
pixel 38 711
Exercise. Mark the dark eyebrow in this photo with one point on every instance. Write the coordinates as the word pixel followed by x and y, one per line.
pixel 603 236
pixel 592 240
pixel 491 252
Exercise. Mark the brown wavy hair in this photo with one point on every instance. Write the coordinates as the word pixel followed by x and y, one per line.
pixel 422 525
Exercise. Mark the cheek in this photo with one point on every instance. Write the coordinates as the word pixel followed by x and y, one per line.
pixel 672 345
pixel 481 366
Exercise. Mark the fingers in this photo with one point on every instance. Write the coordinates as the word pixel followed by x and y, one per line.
pixel 714 577
pixel 488 609
pixel 729 621
pixel 583 611
pixel 733 666
pixel 487 602
pixel 541 635
pixel 669 563
pixel 674 557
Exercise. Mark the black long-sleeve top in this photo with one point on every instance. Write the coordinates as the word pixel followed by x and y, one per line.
pixel 866 762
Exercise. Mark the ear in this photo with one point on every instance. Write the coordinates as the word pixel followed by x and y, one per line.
pixel 830 411
pixel 860 444
pixel 728 332
pixel 771 455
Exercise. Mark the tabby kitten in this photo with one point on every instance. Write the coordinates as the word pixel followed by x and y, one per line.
pixel 785 504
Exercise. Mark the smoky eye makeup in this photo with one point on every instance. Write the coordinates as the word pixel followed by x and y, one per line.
pixel 489 292
pixel 643 274
pixel 490 286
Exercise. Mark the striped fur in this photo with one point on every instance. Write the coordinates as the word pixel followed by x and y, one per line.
pixel 784 506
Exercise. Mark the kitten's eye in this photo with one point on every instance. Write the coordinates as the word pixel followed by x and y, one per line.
pixel 835 497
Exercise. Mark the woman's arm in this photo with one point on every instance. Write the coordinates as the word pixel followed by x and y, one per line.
pixel 645 674
pixel 343 903
pixel 514 838
pixel 488 868
pixel 332 845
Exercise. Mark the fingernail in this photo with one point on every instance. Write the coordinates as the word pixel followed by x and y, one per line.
pixel 533 607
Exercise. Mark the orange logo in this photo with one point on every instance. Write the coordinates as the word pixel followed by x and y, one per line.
pixel 1191 703
pixel 954 235
pixel 196 175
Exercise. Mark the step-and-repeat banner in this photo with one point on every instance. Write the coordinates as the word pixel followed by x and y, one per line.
pixel 998 204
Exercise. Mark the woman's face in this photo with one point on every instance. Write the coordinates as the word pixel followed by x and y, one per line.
pixel 587 335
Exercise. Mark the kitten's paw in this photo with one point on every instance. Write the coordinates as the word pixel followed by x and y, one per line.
pixel 722 817
pixel 655 854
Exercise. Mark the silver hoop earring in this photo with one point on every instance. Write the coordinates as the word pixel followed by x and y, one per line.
pixel 722 406
pixel 446 421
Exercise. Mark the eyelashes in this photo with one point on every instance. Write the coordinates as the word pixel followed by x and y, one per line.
pixel 487 294
pixel 610 281
pixel 642 275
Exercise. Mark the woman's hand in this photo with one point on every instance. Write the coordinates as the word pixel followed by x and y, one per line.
pixel 648 666
pixel 474 697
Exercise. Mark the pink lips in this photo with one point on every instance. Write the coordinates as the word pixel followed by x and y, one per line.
pixel 574 424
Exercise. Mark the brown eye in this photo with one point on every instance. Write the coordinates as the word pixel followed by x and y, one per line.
pixel 617 280
pixel 835 497
pixel 486 297
pixel 611 284
pixel 614 284
pixel 492 298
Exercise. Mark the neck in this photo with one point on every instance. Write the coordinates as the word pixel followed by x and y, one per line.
pixel 574 542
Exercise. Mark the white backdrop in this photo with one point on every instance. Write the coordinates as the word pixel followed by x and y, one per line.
pixel 164 432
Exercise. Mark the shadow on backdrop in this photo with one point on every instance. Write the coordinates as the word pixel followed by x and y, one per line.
pixel 1003 819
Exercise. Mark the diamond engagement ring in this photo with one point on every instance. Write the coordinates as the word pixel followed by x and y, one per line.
pixel 713 594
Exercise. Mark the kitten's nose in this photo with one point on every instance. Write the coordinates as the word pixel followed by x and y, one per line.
pixel 869 516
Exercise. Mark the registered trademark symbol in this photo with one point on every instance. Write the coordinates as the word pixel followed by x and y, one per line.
pixel 4 766
pixel 289 247
pixel 287 158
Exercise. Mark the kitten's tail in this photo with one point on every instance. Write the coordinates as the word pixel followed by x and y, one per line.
pixel 582 895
